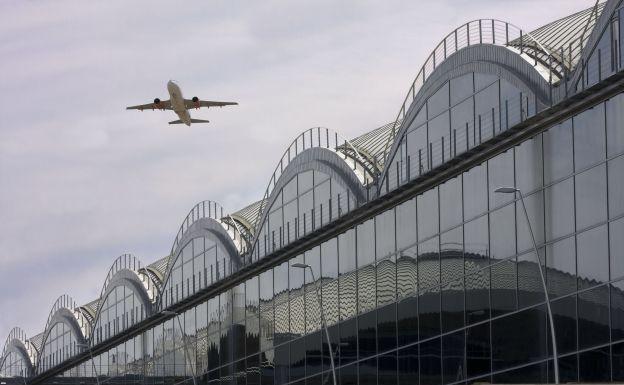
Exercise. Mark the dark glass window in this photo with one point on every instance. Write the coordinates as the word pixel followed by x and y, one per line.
pixel 530 374
pixel 478 350
pixel 478 296
pixel 348 375
pixel 616 187
pixel 347 266
pixel 530 289
pixel 617 357
pixel 313 346
pixel 453 367
pixel 558 148
pixel 297 359
pixel 367 335
pixel 617 311
pixel 387 368
pixel 559 209
pixel 407 320
pixel 591 197
pixel 366 242
pixel 594 366
pixel 592 257
pixel 368 372
pixel 430 362
pixel 383 239
pixel 452 254
pixel 408 365
pixel 348 341
pixel 429 312
pixel 616 248
pixel 476 242
pixel 615 120
pixel 428 264
pixel 386 328
pixel 475 191
pixel 564 316
pixel 589 137
pixel 593 317
pixel 519 338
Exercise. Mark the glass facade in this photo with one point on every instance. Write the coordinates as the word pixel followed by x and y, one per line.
pixel 440 287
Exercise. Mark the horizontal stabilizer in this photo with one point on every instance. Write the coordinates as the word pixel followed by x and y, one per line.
pixel 192 121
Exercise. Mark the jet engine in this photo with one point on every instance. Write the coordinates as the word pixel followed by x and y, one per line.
pixel 195 99
pixel 156 101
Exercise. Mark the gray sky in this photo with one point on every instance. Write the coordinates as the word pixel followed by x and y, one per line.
pixel 83 181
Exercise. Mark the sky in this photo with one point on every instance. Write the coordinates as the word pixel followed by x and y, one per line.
pixel 83 181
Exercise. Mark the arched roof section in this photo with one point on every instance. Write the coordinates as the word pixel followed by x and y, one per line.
pixel 127 271
pixel 315 138
pixel 487 46
pixel 18 343
pixel 66 311
pixel 207 220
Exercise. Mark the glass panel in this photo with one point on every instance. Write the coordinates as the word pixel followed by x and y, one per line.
pixel 589 137
pixel 558 152
pixel 384 236
pixel 475 191
pixel 561 271
pixel 450 203
pixel 535 211
pixel 593 317
pixel 408 365
pixel 592 257
pixel 559 209
pixel 564 315
pixel 461 88
pixel 591 197
pixel 615 120
pixel 594 366
pixel 500 174
pixel 617 311
pixel 503 232
pixel 504 283
pixel 519 338
pixel 529 165
pixel 616 250
pixel 616 187
pixel 428 224
pixel 439 101
pixel 430 362
pixel 478 350
pixel 347 266
pixel 453 366
pixel 406 224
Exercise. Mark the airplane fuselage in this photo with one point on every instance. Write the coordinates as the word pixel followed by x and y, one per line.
pixel 177 102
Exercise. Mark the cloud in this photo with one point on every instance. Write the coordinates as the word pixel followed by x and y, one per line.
pixel 83 181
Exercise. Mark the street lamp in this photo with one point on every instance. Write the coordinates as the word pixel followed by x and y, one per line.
pixel 86 345
pixel 553 339
pixel 186 353
pixel 318 298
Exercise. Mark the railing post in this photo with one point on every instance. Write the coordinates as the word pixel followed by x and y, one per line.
pixel 420 168
pixel 599 65
pixel 493 122
pixel 455 33
pixel 480 33
pixel 506 114
pixel 442 149
pixel 430 156
pixel 479 129
pixel 468 33
pixel 506 34
pixel 398 178
pixel 454 142
pixel 467 137
pixel 521 42
pixel 493 33
pixel 408 171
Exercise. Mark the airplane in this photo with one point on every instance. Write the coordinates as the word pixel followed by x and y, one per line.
pixel 179 105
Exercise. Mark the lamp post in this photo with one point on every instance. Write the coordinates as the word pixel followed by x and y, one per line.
pixel 86 345
pixel 318 298
pixel 553 338
pixel 186 354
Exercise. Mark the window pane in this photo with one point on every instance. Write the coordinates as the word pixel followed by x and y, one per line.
pixel 561 271
pixel 475 191
pixel 450 203
pixel 428 214
pixel 593 317
pixel 592 257
pixel 616 187
pixel 589 137
pixel 591 197
pixel 615 120
pixel 559 209
pixel 406 224
pixel 503 232
pixel 558 151
pixel 478 350
pixel 501 174
pixel 529 165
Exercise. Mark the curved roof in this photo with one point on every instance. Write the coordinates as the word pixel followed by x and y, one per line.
pixel 370 146
pixel 569 33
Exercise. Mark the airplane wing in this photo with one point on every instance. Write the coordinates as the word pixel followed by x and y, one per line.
pixel 161 105
pixel 197 103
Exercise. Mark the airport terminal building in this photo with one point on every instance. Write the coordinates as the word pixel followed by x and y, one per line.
pixel 391 258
